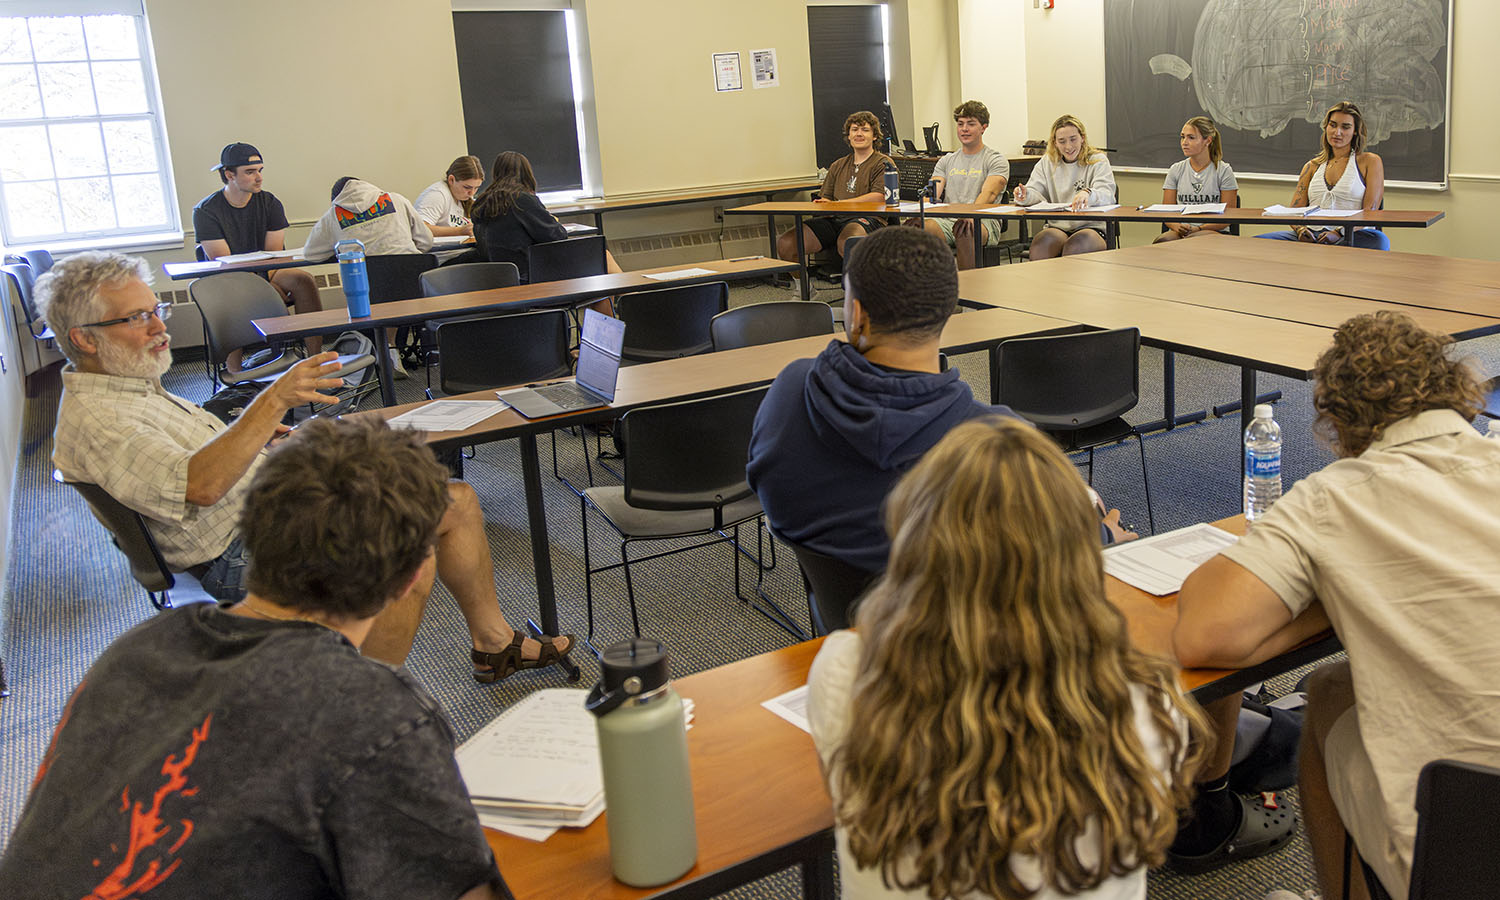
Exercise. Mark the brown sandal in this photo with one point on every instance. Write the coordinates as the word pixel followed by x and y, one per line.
pixel 509 661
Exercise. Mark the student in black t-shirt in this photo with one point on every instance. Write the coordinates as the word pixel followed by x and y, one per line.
pixel 251 750
pixel 244 218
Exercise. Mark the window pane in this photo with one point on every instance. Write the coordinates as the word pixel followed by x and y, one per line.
pixel 77 149
pixel 57 38
pixel 88 204
pixel 131 146
pixel 112 37
pixel 27 156
pixel 19 96
pixel 66 90
pixel 120 87
pixel 33 210
pixel 15 40
pixel 139 201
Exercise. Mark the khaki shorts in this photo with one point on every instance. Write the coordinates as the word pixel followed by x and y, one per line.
pixel 1356 793
pixel 991 230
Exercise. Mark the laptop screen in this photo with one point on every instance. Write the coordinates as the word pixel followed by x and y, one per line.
pixel 599 353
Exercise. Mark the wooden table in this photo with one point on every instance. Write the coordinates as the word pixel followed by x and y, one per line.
pixel 542 295
pixel 684 379
pixel 1385 218
pixel 597 208
pixel 758 792
pixel 178 271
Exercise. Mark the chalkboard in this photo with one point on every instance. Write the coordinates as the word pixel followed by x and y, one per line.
pixel 1266 70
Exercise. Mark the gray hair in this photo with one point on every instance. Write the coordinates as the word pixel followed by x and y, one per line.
pixel 68 295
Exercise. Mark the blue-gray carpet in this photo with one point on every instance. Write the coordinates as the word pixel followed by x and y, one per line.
pixel 69 592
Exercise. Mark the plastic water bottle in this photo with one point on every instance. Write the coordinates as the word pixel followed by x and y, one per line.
pixel 892 185
pixel 356 281
pixel 648 789
pixel 1262 463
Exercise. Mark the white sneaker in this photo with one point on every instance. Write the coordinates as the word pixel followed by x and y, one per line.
pixel 398 371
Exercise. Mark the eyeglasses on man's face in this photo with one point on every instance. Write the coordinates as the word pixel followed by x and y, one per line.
pixel 141 319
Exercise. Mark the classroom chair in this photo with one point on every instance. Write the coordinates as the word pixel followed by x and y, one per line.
pixel 767 323
pixel 567 258
pixel 665 323
pixel 833 587
pixel 128 532
pixel 461 279
pixel 22 281
pixel 1075 387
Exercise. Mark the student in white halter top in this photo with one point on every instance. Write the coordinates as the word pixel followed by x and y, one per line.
pixel 1357 186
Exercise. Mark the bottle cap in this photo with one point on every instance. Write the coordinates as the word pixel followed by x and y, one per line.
pixel 1263 410
pixel 628 669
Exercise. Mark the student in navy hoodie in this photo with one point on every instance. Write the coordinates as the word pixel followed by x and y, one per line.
pixel 835 433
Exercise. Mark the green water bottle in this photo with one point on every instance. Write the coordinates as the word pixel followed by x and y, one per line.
pixel 648 789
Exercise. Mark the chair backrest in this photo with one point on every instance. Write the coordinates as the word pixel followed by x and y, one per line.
pixel 567 258
pixel 690 454
pixel 670 322
pixel 129 531
pixel 39 260
pixel 833 588
pixel 465 277
pixel 497 351
pixel 1069 381
pixel 766 323
pixel 228 303
pixel 23 279
pixel 1456 850
pixel 396 276
pixel 200 254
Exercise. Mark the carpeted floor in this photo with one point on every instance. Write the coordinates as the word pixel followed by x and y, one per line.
pixel 70 593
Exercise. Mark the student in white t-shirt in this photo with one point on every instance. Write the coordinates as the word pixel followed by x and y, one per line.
pixel 1203 177
pixel 1071 172
pixel 445 205
pixel 973 173
pixel 988 731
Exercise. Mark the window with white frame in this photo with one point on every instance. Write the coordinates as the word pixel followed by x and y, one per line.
pixel 83 151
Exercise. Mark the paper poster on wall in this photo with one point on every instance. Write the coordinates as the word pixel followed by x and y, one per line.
pixel 727 72
pixel 765 72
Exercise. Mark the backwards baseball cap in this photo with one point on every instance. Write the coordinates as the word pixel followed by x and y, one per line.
pixel 236 155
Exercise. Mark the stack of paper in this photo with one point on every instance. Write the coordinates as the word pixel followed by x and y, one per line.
pixel 1194 208
pixel 1336 213
pixel 1002 209
pixel 680 273
pixel 1279 210
pixel 448 415
pixel 259 255
pixel 1158 565
pixel 1047 207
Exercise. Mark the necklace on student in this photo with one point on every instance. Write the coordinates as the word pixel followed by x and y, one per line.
pixel 854 179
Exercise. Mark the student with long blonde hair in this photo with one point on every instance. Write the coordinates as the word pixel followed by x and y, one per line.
pixel 1075 173
pixel 989 731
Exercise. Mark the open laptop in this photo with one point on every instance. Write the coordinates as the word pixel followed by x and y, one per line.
pixel 598 367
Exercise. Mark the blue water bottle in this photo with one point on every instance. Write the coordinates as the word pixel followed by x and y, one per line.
pixel 892 185
pixel 356 280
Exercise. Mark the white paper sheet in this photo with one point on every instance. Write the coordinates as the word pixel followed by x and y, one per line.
pixel 1002 209
pixel 1336 213
pixel 448 415
pixel 680 273
pixel 1158 565
pixel 1196 208
pixel 1163 207
pixel 791 706
pixel 1279 210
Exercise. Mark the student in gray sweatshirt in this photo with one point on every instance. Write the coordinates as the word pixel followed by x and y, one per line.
pixel 1074 173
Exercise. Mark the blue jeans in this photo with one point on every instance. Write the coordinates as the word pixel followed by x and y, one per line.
pixel 1367 238
pixel 225 578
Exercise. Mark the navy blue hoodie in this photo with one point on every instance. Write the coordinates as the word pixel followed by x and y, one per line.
pixel 833 436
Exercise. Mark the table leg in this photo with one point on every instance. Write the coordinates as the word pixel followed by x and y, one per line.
pixel 541 547
pixel 383 363
pixel 978 243
pixel 802 258
pixel 599 221
pixel 771 226
pixel 817 871
pixel 1169 418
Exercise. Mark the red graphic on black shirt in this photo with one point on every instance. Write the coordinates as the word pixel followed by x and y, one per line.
pixel 150 834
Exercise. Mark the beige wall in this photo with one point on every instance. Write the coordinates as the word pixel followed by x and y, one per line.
pixel 991 49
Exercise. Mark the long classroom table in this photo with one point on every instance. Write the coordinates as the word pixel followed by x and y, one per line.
pixel 685 379
pixel 1385 218
pixel 758 796
pixel 542 295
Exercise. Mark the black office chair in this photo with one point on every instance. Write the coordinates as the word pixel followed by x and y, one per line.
pixel 228 303
pixel 684 477
pixel 461 278
pixel 1075 387
pixel 767 323
pixel 128 532
pixel 834 588
pixel 567 258
pixel 666 323
pixel 482 353
pixel 396 276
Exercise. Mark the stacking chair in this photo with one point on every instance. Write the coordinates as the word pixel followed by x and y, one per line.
pixel 228 303
pixel 40 261
pixel 666 323
pixel 461 279
pixel 684 477
pixel 767 323
pixel 567 258
pixel 1075 387
pixel 480 353
pixel 23 280
pixel 128 532
pixel 833 588
pixel 396 276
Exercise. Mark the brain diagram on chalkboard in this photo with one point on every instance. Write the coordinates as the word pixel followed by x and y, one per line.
pixel 1266 70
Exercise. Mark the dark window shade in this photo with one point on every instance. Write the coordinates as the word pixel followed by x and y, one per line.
pixel 516 81
pixel 847 46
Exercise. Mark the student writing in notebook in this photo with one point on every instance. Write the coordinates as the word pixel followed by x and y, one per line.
pixel 1342 176
pixel 1075 174
pixel 1202 176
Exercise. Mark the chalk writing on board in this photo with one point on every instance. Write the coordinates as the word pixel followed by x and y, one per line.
pixel 1259 64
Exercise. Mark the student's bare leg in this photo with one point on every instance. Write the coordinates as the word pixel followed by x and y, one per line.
pixel 1084 240
pixel 852 230
pixel 1330 693
pixel 786 243
pixel 963 242
pixel 1048 243
pixel 298 288
pixel 1167 235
